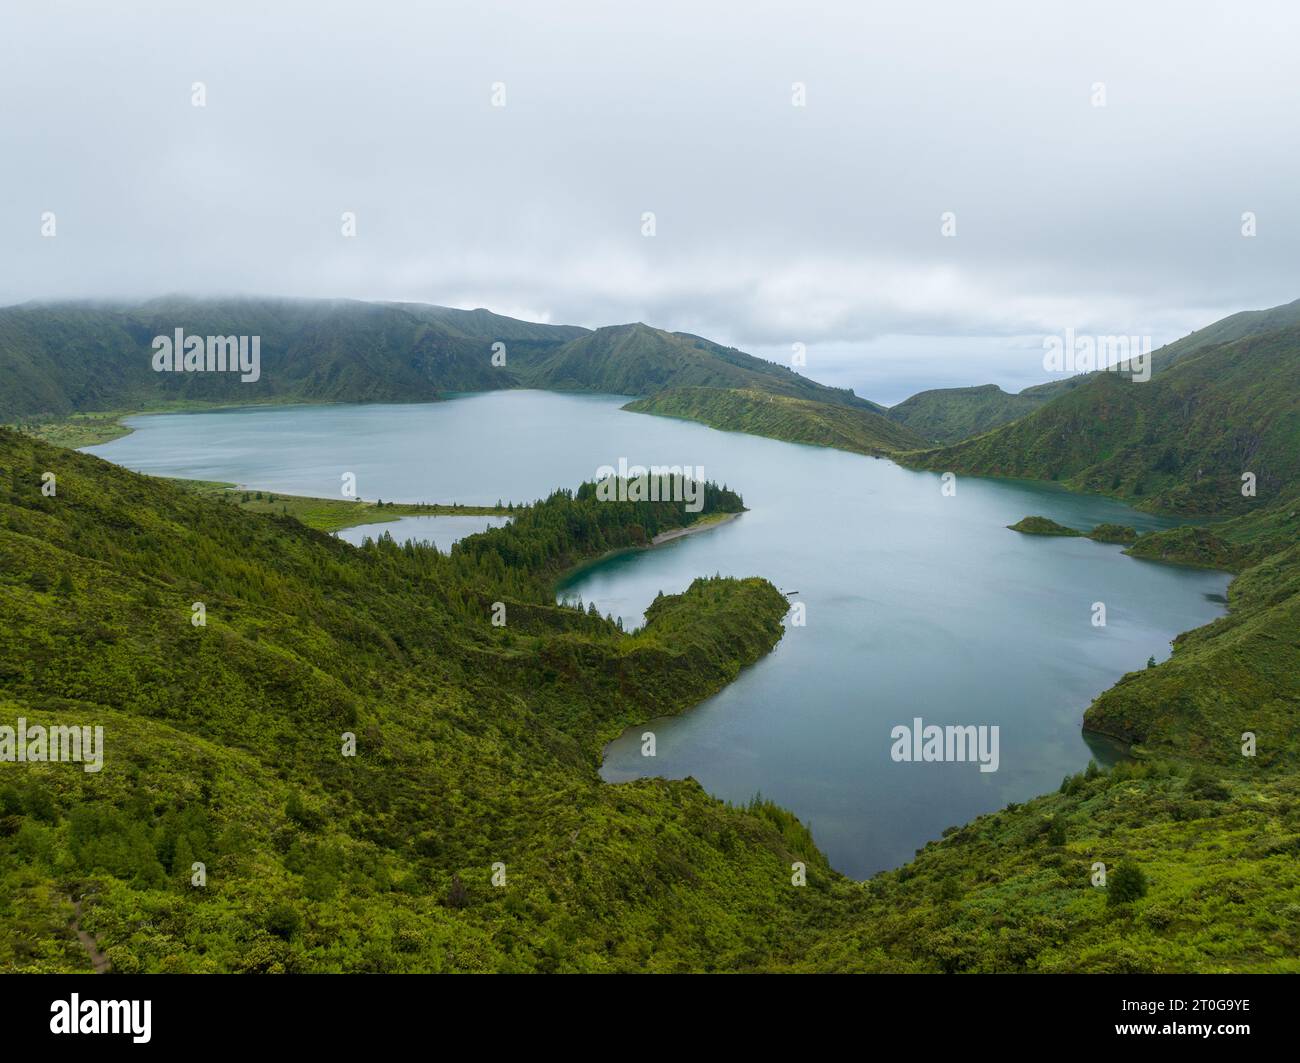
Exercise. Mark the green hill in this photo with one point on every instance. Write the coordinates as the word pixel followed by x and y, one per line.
pixel 479 745
pixel 65 365
pixel 1102 533
pixel 65 359
pixel 1180 441
pixel 946 415
pixel 483 324
pixel 1230 329
pixel 794 420
pixel 475 744
pixel 949 415
pixel 61 358
pixel 1042 526
pixel 640 360
pixel 1239 674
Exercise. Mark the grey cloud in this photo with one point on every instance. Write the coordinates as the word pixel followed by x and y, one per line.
pixel 775 223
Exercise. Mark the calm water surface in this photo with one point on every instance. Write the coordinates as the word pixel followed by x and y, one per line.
pixel 440 531
pixel 916 604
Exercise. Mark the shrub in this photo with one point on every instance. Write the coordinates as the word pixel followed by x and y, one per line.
pixel 1201 784
pixel 458 895
pixel 1127 883
pixel 283 920
pixel 122 960
pixel 1056 831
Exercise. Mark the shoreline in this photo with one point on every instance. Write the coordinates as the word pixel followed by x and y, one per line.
pixel 373 515
pixel 673 534
pixel 328 514
pixel 703 524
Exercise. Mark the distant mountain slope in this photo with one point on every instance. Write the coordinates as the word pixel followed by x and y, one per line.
pixel 947 415
pixel 795 420
pixel 485 325
pixel 1053 388
pixel 1181 440
pixel 639 360
pixel 60 358
pixel 1228 330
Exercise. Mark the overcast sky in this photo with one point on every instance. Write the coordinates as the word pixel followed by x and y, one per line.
pixel 774 224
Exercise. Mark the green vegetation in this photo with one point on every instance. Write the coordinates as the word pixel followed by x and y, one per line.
pixel 1102 533
pixel 71 369
pixel 76 430
pixel 333 514
pixel 640 360
pixel 1042 526
pixel 1181 441
pixel 475 743
pixel 794 420
pixel 1113 533
pixel 1239 674
pixel 61 359
pixel 1231 545
pixel 1230 329
pixel 478 744
pixel 946 415
pixel 1006 893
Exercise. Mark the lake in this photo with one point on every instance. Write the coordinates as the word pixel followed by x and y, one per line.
pixel 915 604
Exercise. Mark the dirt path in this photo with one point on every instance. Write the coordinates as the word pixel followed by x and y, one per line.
pixel 98 960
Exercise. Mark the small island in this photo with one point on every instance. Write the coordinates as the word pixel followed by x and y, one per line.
pixel 1102 533
pixel 1113 533
pixel 1042 526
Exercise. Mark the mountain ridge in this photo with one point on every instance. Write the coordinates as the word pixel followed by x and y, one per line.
pixel 1183 441
pixel 62 358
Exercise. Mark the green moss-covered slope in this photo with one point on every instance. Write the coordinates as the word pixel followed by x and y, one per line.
pixel 947 415
pixel 475 744
pixel 1042 526
pixel 794 420
pixel 478 745
pixel 1181 441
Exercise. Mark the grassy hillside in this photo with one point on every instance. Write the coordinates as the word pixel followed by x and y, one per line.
pixel 781 417
pixel 1013 891
pixel 479 744
pixel 333 514
pixel 482 324
pixel 1214 834
pixel 475 743
pixel 946 415
pixel 950 415
pixel 1230 329
pixel 62 358
pixel 1239 674
pixel 1230 545
pixel 640 360
pixel 1180 441
pixel 1042 526
pixel 72 368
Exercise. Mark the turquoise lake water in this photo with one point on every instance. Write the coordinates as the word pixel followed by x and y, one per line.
pixel 916 604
